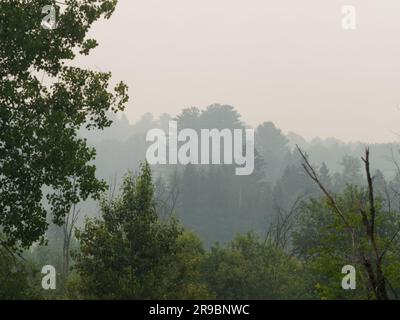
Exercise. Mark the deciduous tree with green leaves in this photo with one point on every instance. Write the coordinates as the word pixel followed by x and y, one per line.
pixel 252 268
pixel 351 228
pixel 130 253
pixel 41 154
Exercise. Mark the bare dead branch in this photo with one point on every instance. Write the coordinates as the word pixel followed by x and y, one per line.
pixel 313 175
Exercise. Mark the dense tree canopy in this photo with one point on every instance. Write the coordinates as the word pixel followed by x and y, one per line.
pixel 130 253
pixel 40 152
pixel 192 232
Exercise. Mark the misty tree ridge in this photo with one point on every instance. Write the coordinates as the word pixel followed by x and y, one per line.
pixel 190 205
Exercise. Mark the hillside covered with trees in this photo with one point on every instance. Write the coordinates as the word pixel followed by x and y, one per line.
pixel 78 197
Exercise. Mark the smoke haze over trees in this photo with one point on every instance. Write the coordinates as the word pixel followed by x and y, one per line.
pixel 79 198
pixel 214 202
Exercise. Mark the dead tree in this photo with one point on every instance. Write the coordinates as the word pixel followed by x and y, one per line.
pixel 281 227
pixel 167 196
pixel 68 227
pixel 372 260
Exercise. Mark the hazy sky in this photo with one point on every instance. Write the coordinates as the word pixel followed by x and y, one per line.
pixel 284 61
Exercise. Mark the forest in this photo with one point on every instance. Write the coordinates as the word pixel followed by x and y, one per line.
pixel 201 232
pixel 78 198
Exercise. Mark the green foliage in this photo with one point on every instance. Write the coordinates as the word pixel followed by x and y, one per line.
pixel 186 274
pixel 131 254
pixel 250 268
pixel 322 242
pixel 40 152
pixel 17 279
